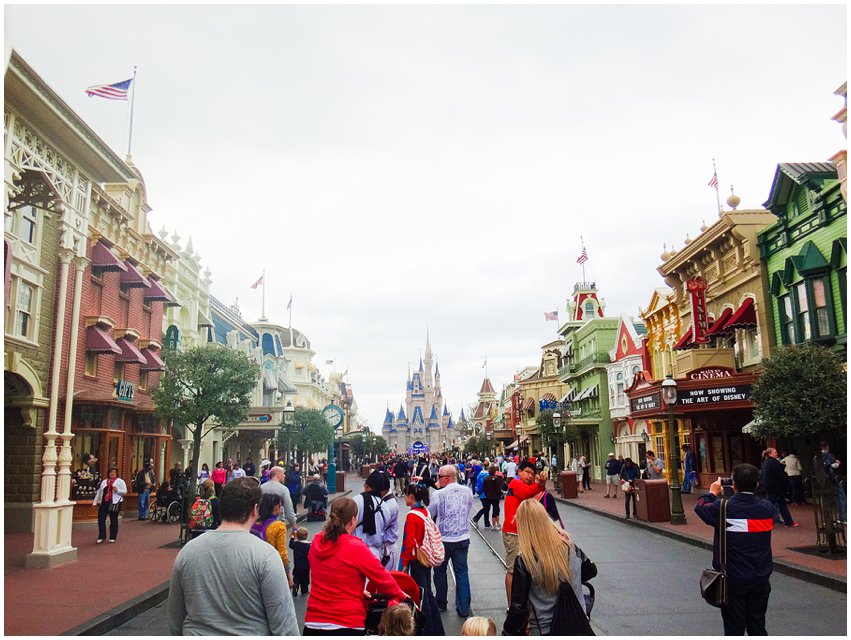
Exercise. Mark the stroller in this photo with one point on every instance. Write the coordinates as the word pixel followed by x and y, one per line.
pixel 378 603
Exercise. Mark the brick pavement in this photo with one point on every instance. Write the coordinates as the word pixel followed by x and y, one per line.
pixel 104 577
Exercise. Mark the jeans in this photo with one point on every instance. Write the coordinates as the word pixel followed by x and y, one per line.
pixel 144 500
pixel 842 500
pixel 797 489
pixel 457 552
pixel 745 610
pixel 779 500
pixel 626 496
pixel 686 486
pixel 487 503
pixel 586 479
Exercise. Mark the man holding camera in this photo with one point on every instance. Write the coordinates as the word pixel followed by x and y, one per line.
pixel 750 520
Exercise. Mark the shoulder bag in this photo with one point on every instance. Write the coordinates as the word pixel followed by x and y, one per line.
pixel 713 584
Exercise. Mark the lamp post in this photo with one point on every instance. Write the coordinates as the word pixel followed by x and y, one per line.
pixel 669 395
pixel 289 419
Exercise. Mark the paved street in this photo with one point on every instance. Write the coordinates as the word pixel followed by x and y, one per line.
pixel 647 584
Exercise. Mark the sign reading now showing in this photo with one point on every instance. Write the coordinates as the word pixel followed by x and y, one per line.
pixel 714 395
pixel 644 403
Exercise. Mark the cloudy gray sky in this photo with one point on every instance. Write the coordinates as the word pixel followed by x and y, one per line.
pixel 393 166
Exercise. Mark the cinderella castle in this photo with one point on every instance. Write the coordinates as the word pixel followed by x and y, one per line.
pixel 423 422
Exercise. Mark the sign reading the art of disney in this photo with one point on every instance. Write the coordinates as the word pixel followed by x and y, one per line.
pixel 643 403
pixel 714 395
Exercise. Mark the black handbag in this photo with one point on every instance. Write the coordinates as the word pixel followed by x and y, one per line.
pixel 115 507
pixel 713 584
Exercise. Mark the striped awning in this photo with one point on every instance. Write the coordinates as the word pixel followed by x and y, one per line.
pixel 99 341
pixel 530 404
pixel 548 397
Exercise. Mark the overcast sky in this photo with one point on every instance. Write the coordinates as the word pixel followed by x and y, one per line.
pixel 397 166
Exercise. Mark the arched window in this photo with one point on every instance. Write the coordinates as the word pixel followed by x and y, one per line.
pixel 172 338
pixel 589 309
pixel 619 397
pixel 268 345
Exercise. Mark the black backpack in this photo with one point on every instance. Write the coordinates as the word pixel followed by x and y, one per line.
pixel 139 482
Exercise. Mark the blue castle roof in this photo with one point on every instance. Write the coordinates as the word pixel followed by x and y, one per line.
pixel 402 417
pixel 417 417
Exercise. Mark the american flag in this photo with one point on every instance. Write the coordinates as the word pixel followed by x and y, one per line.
pixel 583 257
pixel 714 182
pixel 117 91
pixel 258 282
pixel 551 315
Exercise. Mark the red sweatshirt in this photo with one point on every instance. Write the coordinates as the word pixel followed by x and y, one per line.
pixel 518 491
pixel 219 476
pixel 338 572
pixel 414 534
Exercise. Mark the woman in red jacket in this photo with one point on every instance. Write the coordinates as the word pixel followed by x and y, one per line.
pixel 416 497
pixel 219 477
pixel 340 565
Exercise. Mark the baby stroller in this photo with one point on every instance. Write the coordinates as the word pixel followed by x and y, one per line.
pixel 378 603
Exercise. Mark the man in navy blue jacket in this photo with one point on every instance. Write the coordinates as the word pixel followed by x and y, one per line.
pixel 749 523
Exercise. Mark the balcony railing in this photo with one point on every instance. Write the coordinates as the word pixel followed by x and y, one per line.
pixel 589 361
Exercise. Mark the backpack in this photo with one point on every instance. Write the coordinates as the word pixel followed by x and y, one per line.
pixel 201 514
pixel 259 528
pixel 139 482
pixel 431 552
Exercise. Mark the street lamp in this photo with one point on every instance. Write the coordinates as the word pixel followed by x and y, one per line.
pixel 289 420
pixel 669 395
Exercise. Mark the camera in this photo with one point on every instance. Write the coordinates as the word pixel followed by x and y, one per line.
pixel 727 486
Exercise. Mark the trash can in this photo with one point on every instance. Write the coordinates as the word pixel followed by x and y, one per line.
pixel 341 481
pixel 569 488
pixel 653 501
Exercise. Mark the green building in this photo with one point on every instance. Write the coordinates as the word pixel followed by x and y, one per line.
pixel 588 339
pixel 804 254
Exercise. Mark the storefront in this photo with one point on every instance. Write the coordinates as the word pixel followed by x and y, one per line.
pixel 712 408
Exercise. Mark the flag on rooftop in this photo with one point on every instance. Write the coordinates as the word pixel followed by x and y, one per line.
pixel 329 362
pixel 714 182
pixel 583 257
pixel 290 303
pixel 551 315
pixel 117 91
pixel 258 282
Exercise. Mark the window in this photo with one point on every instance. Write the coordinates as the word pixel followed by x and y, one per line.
pixel 619 396
pixel 804 328
pixel 119 371
pixel 787 319
pixel 24 310
pixel 91 363
pixel 27 231
pixel 822 322
pixel 143 379
pixel 589 310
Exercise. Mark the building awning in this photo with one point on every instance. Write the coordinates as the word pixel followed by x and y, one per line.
pixel 270 380
pixel 157 293
pixel 686 342
pixel 129 352
pixel 548 397
pixel 99 341
pixel 204 319
pixel 718 327
pixel 103 259
pixel 153 360
pixel 744 318
pixel 748 428
pixel 566 396
pixel 133 277
pixel 284 385
pixel 530 404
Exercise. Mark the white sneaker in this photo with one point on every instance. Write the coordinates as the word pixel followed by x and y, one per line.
pixel 99 541
pixel 112 540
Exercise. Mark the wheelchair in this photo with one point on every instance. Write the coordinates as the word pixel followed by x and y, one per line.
pixel 171 512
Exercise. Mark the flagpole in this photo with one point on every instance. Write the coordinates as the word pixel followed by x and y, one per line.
pixel 263 305
pixel 583 262
pixel 717 195
pixel 290 307
pixel 132 103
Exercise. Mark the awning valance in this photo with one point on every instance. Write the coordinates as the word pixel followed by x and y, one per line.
pixel 718 329
pixel 103 259
pixel 133 277
pixel 270 380
pixel 129 352
pixel 530 404
pixel 99 341
pixel 512 445
pixel 153 361
pixel 685 342
pixel 566 397
pixel 548 397
pixel 156 292
pixel 744 318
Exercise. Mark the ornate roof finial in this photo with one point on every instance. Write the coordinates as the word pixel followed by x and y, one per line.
pixel 734 200
pixel 665 253
pixel 703 227
pixel 687 241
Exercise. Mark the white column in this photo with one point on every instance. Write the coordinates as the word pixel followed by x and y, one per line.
pixel 46 551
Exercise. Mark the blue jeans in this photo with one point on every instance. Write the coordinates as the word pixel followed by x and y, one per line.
pixel 457 552
pixel 144 500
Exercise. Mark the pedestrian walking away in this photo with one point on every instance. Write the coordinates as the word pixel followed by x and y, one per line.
pixel 689 469
pixel 300 546
pixel 372 519
pixel 775 484
pixel 450 506
pixel 108 499
pixel 275 485
pixel 793 469
pixel 229 580
pixel 750 520
pixel 269 528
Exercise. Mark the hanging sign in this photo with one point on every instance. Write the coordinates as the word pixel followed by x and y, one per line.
pixel 697 288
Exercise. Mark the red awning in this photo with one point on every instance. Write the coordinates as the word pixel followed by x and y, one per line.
pixel 744 318
pixel 154 362
pixel 548 396
pixel 133 277
pixel 129 352
pixel 530 404
pixel 157 292
pixel 99 341
pixel 103 259
pixel 718 328
pixel 686 342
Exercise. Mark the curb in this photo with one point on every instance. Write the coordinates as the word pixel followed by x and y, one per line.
pixel 780 566
pixel 123 613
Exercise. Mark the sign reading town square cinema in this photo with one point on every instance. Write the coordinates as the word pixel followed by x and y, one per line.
pixel 714 395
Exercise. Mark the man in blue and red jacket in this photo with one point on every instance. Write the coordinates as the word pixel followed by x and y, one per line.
pixel 750 520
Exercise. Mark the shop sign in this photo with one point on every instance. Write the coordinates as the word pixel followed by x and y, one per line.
pixel 650 401
pixel 258 417
pixel 707 373
pixel 714 395
pixel 697 288
pixel 124 390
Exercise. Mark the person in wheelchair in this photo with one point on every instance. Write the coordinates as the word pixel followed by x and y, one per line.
pixel 315 497
pixel 166 497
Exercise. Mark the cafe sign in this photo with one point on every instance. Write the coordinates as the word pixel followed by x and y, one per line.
pixel 714 395
pixel 124 390
pixel 645 403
